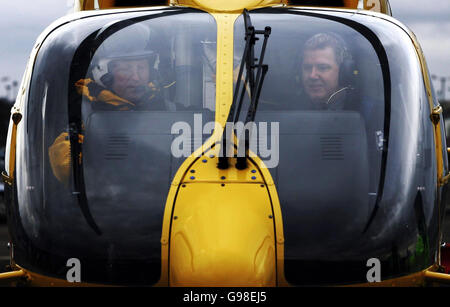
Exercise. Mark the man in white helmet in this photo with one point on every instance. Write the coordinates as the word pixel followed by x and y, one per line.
pixel 130 78
pixel 123 77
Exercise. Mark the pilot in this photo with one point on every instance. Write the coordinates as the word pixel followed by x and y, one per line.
pixel 125 86
pixel 326 71
pixel 124 78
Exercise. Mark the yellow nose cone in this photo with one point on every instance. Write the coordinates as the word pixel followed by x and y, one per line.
pixel 222 236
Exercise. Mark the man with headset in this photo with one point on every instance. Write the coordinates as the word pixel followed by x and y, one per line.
pixel 124 75
pixel 123 78
pixel 326 71
pixel 129 87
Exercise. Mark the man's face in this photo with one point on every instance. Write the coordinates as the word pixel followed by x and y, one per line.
pixel 320 73
pixel 131 78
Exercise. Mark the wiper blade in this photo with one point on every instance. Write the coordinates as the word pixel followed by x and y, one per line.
pixel 251 113
pixel 78 177
pixel 255 86
pixel 75 129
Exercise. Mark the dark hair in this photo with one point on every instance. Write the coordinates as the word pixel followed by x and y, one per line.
pixel 329 39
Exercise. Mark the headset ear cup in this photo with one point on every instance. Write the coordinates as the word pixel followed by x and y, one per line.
pixel 346 73
pixel 107 79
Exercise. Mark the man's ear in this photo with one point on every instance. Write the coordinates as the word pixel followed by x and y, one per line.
pixel 346 72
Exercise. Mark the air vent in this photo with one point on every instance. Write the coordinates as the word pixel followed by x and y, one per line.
pixel 117 147
pixel 331 148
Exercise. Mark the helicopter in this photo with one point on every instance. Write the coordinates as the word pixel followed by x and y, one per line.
pixel 231 181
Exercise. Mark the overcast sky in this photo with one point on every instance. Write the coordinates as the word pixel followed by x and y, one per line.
pixel 21 21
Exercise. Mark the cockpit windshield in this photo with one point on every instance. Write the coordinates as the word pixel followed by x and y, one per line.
pixel 338 122
pixel 325 88
pixel 108 91
pixel 342 115
pixel 323 104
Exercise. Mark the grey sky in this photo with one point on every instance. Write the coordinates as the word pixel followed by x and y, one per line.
pixel 430 21
pixel 21 21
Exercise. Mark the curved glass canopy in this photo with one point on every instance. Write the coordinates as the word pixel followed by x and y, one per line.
pixel 105 92
pixel 352 159
pixel 343 125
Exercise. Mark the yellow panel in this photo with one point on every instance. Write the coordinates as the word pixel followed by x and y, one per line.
pixel 222 236
pixel 209 173
pixel 351 3
pixel 224 86
pixel 106 4
pixel 205 170
pixel 224 69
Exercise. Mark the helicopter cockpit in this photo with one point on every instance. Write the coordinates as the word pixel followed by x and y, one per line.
pixel 115 95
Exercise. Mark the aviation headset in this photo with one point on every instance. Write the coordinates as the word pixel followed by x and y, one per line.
pixel 347 69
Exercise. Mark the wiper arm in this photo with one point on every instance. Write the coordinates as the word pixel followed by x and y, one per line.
pixel 248 60
pixel 78 177
pixel 78 69
pixel 251 113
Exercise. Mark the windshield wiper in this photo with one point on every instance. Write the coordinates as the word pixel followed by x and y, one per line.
pixel 79 63
pixel 255 86
pixel 78 177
